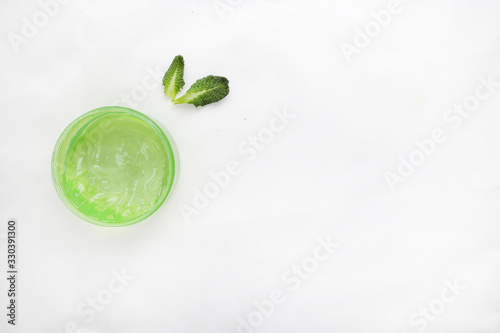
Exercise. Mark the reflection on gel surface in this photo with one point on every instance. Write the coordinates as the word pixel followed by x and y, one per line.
pixel 111 168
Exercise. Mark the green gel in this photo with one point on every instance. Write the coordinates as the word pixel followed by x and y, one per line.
pixel 113 166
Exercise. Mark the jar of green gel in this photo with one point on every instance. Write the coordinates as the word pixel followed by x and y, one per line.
pixel 113 166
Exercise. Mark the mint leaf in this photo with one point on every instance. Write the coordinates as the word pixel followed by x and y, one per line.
pixel 173 80
pixel 208 90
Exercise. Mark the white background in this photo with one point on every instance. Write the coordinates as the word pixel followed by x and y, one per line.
pixel 321 176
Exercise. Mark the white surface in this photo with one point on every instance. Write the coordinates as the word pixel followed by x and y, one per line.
pixel 323 175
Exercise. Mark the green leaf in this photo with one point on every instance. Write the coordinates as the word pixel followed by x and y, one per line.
pixel 173 80
pixel 208 90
